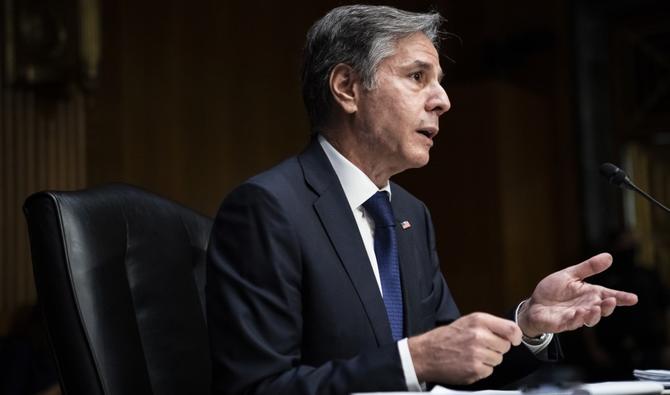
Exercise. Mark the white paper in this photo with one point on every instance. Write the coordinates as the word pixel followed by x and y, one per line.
pixel 605 388
pixel 441 390
pixel 652 374
pixel 620 388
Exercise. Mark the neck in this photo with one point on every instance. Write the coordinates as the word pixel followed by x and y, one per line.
pixel 360 154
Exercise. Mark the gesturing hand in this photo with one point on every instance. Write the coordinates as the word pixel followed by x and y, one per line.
pixel 465 351
pixel 562 301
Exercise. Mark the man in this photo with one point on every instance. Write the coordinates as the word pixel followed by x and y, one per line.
pixel 323 276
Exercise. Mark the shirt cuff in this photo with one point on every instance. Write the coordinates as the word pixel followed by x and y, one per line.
pixel 408 367
pixel 543 341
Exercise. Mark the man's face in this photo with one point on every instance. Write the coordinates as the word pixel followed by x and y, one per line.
pixel 398 118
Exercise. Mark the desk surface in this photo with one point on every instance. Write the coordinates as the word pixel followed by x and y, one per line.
pixel 604 388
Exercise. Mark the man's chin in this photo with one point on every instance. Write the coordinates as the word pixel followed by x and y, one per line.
pixel 413 161
pixel 422 159
pixel 419 161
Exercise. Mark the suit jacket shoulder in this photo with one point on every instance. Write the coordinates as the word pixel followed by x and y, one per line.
pixel 292 303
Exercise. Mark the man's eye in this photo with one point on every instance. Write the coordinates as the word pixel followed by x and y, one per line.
pixel 417 76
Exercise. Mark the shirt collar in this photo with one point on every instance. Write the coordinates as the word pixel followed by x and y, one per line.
pixel 358 187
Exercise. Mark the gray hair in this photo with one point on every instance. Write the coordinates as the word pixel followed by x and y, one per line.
pixel 360 36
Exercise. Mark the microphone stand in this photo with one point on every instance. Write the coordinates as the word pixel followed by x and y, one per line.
pixel 618 177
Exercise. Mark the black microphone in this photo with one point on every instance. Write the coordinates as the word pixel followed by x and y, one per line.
pixel 619 178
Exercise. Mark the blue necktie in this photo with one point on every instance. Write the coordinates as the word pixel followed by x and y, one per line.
pixel 386 251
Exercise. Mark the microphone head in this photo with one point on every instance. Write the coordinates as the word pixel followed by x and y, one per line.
pixel 615 175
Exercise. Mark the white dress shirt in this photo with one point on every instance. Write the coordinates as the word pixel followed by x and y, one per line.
pixel 358 188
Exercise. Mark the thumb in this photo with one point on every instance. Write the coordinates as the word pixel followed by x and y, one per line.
pixel 591 266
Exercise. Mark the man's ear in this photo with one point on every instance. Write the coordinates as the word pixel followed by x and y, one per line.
pixel 343 81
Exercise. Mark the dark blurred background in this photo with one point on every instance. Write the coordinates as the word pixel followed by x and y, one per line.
pixel 188 99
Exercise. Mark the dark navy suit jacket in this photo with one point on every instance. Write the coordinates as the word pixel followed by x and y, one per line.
pixel 293 306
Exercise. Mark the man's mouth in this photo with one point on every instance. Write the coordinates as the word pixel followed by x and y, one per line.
pixel 428 132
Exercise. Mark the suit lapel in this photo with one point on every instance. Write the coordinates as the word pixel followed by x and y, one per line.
pixel 333 210
pixel 410 281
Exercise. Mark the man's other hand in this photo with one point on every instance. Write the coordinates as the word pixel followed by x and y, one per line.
pixel 562 301
pixel 465 351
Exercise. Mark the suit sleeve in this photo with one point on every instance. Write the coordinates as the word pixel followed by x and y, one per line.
pixel 254 309
pixel 446 310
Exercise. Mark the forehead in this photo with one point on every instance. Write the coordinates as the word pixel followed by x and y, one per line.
pixel 416 48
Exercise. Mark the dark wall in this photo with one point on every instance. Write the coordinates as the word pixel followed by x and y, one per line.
pixel 194 97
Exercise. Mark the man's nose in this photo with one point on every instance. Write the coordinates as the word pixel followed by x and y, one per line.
pixel 439 101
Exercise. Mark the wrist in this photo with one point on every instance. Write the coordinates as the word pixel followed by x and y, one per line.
pixel 529 334
pixel 415 346
pixel 535 341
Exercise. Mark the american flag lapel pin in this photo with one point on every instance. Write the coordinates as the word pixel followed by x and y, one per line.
pixel 405 225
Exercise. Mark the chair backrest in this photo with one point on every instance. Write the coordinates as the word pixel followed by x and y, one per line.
pixel 120 276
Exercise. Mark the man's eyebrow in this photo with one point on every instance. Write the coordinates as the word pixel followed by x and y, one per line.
pixel 427 66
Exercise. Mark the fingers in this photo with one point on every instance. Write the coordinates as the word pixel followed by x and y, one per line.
pixel 591 266
pixel 571 321
pixel 503 328
pixel 590 316
pixel 626 299
pixel 595 265
pixel 605 309
pixel 581 316
pixel 607 306
pixel 491 341
pixel 491 338
pixel 489 357
pixel 622 298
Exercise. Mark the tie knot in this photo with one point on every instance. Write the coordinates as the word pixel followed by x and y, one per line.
pixel 379 207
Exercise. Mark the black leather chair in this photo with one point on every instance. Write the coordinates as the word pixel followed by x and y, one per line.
pixel 120 276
